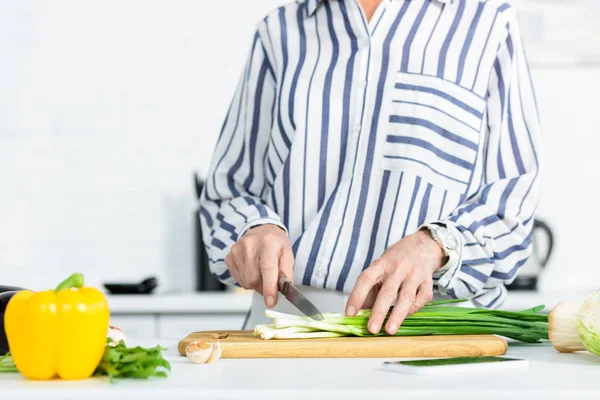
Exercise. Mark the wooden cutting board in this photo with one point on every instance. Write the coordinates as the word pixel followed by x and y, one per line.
pixel 243 344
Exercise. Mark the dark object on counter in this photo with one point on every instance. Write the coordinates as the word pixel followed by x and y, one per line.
pixel 146 286
pixel 528 277
pixel 6 293
pixel 205 280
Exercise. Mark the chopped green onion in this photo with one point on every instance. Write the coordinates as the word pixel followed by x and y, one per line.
pixel 436 318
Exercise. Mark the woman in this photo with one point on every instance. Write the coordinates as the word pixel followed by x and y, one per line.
pixel 377 151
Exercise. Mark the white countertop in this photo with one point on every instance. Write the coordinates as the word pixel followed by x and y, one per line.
pixel 550 376
pixel 520 300
pixel 236 302
pixel 181 303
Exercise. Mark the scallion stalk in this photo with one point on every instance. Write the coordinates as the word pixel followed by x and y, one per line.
pixel 436 318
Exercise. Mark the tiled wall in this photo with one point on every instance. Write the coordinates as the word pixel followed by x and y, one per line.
pixel 107 107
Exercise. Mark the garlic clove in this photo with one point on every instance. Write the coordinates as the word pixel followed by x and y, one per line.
pixel 198 352
pixel 116 334
pixel 216 353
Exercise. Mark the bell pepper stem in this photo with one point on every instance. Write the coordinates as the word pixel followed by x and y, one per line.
pixel 73 281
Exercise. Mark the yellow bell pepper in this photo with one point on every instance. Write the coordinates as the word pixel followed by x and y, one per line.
pixel 59 332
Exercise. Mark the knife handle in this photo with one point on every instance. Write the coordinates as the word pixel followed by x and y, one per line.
pixel 283 280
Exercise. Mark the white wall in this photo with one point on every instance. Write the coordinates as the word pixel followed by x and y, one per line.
pixel 107 106
pixel 570 195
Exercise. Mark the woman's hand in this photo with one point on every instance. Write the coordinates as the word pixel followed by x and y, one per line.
pixel 404 271
pixel 256 259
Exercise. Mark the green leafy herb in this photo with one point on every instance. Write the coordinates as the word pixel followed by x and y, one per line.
pixel 7 364
pixel 132 362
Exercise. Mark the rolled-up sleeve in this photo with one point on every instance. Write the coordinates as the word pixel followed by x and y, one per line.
pixel 232 197
pixel 495 225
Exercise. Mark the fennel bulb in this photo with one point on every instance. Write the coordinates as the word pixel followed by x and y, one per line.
pixel 575 327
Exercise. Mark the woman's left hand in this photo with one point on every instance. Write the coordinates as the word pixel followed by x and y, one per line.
pixel 404 271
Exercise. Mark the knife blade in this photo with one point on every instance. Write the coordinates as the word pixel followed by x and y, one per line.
pixel 293 295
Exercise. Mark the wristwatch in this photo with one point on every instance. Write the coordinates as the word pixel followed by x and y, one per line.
pixel 443 237
pixel 447 241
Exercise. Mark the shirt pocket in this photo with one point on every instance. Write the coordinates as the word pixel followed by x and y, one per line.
pixel 434 130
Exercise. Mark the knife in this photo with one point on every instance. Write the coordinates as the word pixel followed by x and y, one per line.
pixel 297 299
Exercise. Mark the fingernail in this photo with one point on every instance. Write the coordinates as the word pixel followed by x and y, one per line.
pixel 270 301
pixel 374 327
pixel 392 328
pixel 351 311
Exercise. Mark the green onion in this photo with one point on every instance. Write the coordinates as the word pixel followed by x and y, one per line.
pixel 436 318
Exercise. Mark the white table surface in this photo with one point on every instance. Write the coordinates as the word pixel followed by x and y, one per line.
pixel 550 376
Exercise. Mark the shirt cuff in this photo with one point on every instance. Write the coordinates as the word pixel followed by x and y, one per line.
pixel 261 221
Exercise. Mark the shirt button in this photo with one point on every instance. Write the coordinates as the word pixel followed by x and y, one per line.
pixel 321 272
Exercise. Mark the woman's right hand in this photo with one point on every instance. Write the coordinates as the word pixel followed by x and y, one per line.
pixel 256 260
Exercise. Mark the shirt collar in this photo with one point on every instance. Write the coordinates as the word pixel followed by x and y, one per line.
pixel 312 5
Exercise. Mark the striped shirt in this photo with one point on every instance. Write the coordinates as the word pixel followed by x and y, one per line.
pixel 351 134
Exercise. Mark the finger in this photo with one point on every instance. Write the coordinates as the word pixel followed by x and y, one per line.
pixel 385 298
pixel 269 271
pixel 236 256
pixel 250 249
pixel 365 282
pixel 232 268
pixel 286 262
pixel 371 297
pixel 424 296
pixel 406 301
pixel 250 269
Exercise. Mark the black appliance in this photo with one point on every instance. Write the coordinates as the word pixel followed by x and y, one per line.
pixel 205 280
pixel 528 276
pixel 146 286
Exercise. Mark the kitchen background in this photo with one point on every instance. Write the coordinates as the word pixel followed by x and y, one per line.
pixel 108 107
